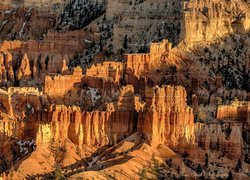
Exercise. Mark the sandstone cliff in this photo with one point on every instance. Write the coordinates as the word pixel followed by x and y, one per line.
pixel 40 58
pixel 24 72
pixel 60 85
pixel 167 119
pixel 110 69
pixel 237 111
pixel 226 138
pixel 202 19
pixel 230 136
pixel 58 122
pixel 7 73
pixel 73 112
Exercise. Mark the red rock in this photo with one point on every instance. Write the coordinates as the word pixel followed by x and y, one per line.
pixel 166 118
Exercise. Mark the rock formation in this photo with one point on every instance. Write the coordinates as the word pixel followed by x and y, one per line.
pixel 228 135
pixel 167 119
pixel 60 85
pixel 95 128
pixel 112 70
pixel 202 19
pixel 7 72
pixel 24 72
pixel 237 111
pixel 74 94
pixel 38 58
pixel 226 138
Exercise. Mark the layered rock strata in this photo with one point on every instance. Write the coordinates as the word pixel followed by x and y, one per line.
pixel 166 118
pixel 231 135
pixel 202 19
pixel 109 69
pixel 225 138
pixel 28 63
pixel 237 111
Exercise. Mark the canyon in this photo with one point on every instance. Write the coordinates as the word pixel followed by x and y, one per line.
pixel 128 90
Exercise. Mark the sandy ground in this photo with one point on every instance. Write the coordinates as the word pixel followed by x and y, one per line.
pixel 126 160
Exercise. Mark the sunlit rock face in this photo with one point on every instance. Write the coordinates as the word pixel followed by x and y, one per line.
pixel 237 111
pixel 96 128
pixel 17 104
pixel 202 19
pixel 46 124
pixel 109 69
pixel 82 128
pixel 24 72
pixel 58 86
pixel 167 119
pixel 184 21
pixel 72 86
pixel 164 117
pixel 7 73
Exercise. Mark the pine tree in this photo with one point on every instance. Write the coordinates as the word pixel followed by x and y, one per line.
pixel 238 166
pixel 206 160
pixel 230 176
pixel 199 169
pixel 143 173
pixel 125 43
pixel 58 174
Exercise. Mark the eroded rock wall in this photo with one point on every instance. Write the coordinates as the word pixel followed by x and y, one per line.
pixel 237 111
pixel 27 63
pixel 45 124
pixel 230 135
pixel 226 138
pixel 202 19
pixel 109 69
pixel 59 86
pixel 167 119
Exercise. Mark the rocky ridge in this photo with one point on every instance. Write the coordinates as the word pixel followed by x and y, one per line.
pixel 189 93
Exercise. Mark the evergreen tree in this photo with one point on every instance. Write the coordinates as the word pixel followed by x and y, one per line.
pixel 206 160
pixel 58 174
pixel 238 167
pixel 143 173
pixel 125 43
pixel 230 176
pixel 178 170
pixel 199 169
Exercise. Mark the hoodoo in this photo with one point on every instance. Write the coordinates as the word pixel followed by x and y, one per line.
pixel 131 89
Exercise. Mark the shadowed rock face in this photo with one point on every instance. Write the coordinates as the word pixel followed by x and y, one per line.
pixel 27 63
pixel 42 5
pixel 144 21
